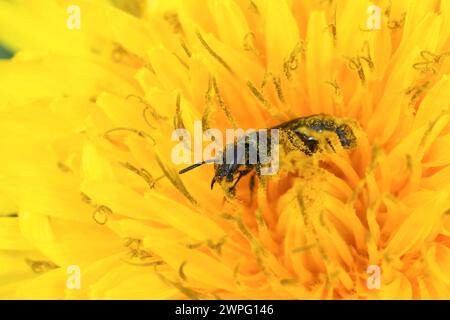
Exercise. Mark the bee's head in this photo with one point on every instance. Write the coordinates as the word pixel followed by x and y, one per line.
pixel 226 164
pixel 346 136
pixel 225 172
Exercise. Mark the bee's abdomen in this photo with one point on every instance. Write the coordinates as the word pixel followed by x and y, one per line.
pixel 321 123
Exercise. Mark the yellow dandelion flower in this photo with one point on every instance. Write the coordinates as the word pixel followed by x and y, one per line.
pixel 93 207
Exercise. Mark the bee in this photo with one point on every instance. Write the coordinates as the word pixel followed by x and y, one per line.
pixel 310 135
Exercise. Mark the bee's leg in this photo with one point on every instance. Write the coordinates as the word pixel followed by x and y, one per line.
pixel 258 169
pixel 232 189
pixel 252 187
pixel 330 144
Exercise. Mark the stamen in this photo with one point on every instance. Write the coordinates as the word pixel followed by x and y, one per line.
pixel 304 248
pixel 223 104
pixel 174 178
pixel 144 116
pixel 236 271
pixel 431 126
pixel 184 64
pixel 367 57
pixel 149 67
pixel 258 249
pixel 192 246
pixel 277 83
pixel 323 254
pixel 213 53
pixel 260 218
pixel 377 153
pixel 40 266
pixel 289 282
pixel 143 173
pixel 431 63
pixel 355 63
pixel 205 117
pixel 136 251
pixel 260 253
pixel 190 293
pixel 178 119
pixel 415 92
pixel 394 24
pixel 63 167
pixel 409 164
pixel 240 225
pixel 153 263
pixel 144 258
pixel 387 11
pixel 330 2
pixel 336 87
pixel 120 55
pixel 141 134
pixel 216 296
pixel 254 7
pixel 134 7
pixel 101 214
pixel 173 20
pixel 302 206
pixel 209 106
pixel 397 24
pixel 148 108
pixel 291 63
pixel 332 27
pixel 9 215
pixel 332 276
pixel 217 246
pixel 322 220
pixel 185 48
pixel 181 271
pixel 258 94
pixel 85 198
pixel 250 43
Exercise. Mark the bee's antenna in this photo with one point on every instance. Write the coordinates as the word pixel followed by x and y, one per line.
pixel 195 166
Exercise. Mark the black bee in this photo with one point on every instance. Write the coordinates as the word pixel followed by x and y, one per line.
pixel 306 134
